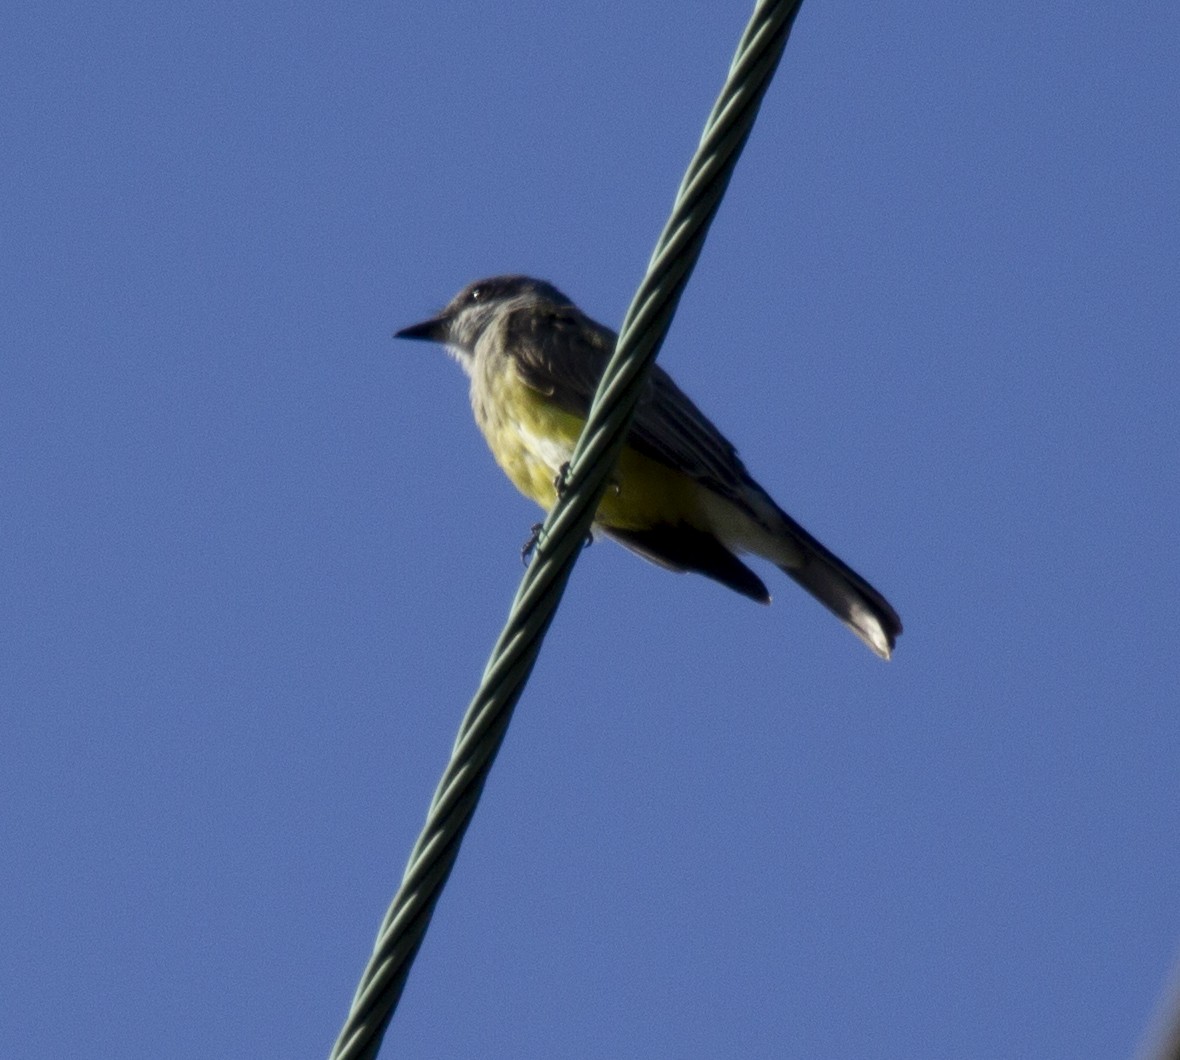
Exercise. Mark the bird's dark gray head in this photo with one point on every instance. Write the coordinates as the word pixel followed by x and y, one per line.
pixel 473 309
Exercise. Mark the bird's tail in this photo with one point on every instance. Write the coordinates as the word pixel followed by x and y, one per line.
pixel 839 588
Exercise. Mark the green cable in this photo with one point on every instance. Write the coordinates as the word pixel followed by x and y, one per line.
pixel 640 337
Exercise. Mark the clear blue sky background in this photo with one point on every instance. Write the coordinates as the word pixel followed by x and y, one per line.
pixel 253 552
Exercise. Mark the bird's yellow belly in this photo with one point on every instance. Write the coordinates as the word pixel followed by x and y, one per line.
pixel 531 440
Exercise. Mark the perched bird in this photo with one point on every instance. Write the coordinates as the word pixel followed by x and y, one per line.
pixel 679 496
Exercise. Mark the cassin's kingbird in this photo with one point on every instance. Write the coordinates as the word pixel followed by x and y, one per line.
pixel 679 495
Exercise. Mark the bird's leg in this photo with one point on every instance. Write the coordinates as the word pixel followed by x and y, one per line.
pixel 560 485
pixel 561 482
pixel 530 545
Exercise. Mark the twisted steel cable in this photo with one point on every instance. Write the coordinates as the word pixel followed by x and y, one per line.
pixel 641 335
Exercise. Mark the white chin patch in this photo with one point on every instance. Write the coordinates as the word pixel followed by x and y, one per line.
pixel 460 355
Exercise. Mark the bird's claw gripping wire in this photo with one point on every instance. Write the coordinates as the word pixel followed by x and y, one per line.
pixel 534 538
pixel 562 481
pixel 530 545
pixel 560 485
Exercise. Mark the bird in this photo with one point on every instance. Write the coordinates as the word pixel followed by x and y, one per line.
pixel 679 495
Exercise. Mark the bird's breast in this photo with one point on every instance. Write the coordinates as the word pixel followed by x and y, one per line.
pixel 532 438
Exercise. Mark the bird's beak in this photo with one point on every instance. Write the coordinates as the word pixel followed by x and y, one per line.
pixel 429 330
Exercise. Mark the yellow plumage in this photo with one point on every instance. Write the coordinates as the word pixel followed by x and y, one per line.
pixel 531 438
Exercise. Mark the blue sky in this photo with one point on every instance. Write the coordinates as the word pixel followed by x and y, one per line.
pixel 254 552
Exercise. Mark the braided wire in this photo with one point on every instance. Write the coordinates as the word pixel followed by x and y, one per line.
pixel 486 721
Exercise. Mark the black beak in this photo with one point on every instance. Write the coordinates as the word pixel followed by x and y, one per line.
pixel 429 330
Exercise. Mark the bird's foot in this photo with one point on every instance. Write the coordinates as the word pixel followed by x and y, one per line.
pixel 562 480
pixel 530 546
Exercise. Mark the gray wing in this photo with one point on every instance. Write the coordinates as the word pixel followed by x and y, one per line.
pixel 562 353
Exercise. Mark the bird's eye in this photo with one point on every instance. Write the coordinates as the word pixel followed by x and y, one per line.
pixel 477 294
